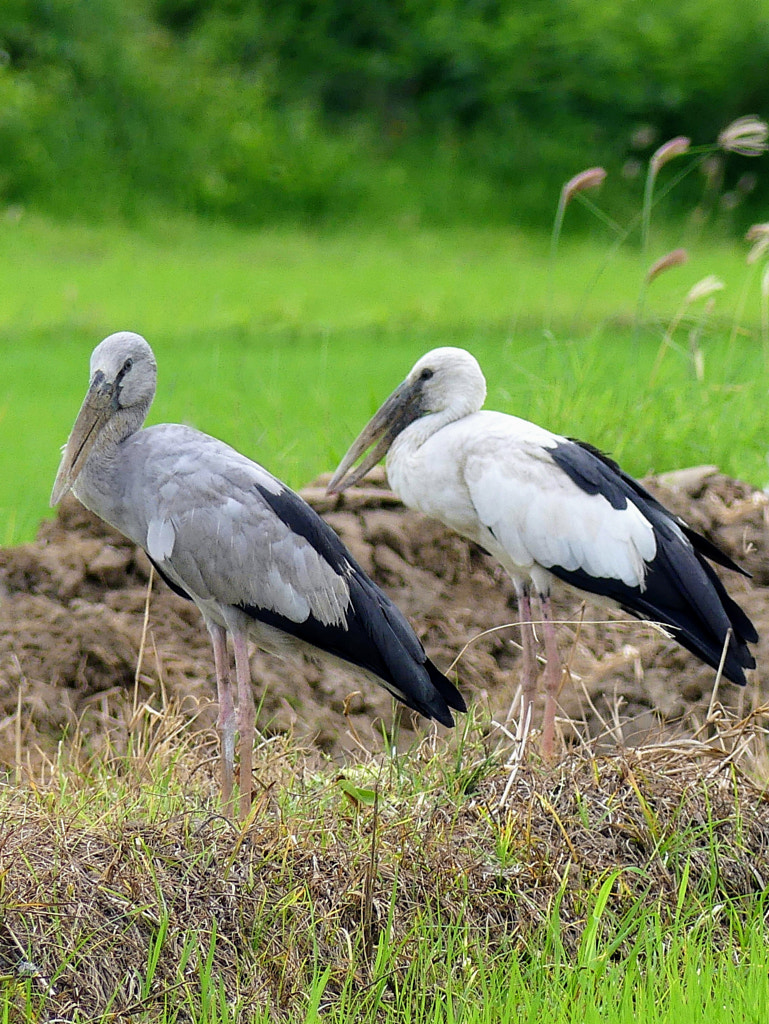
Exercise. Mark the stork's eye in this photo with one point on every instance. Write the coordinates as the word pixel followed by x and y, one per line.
pixel 127 365
pixel 426 374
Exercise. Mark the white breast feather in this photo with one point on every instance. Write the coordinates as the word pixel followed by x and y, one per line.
pixel 492 472
pixel 160 539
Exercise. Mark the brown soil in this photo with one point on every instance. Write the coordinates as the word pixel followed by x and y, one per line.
pixel 72 619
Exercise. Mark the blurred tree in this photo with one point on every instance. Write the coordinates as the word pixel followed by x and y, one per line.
pixel 259 109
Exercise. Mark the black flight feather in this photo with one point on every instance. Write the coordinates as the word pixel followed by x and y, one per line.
pixel 681 589
pixel 376 636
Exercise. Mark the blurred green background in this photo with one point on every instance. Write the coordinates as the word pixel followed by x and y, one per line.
pixel 294 199
pixel 430 111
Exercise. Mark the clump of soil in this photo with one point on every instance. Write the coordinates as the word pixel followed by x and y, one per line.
pixel 73 624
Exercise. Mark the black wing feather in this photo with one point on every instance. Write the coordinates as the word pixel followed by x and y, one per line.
pixel 376 636
pixel 699 543
pixel 681 589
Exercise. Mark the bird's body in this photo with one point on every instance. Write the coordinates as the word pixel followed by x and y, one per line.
pixel 490 477
pixel 221 530
pixel 546 507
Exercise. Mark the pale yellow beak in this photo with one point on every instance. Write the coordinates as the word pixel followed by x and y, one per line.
pixel 95 412
pixel 400 409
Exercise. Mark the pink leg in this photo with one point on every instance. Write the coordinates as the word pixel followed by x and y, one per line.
pixel 246 719
pixel 529 666
pixel 553 675
pixel 226 721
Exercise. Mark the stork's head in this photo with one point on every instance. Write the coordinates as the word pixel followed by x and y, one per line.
pixel 123 379
pixel 446 382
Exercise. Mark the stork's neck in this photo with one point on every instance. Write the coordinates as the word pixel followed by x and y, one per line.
pixel 121 425
pixel 102 480
pixel 421 430
pixel 410 440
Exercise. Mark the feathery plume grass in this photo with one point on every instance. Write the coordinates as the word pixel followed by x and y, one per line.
pixel 705 288
pixel 669 151
pixel 674 258
pixel 760 246
pixel 756 231
pixel 664 154
pixel 746 136
pixel 590 178
pixel 696 352
pixel 758 234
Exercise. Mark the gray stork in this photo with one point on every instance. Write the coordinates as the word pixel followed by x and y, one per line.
pixel 254 557
pixel 547 507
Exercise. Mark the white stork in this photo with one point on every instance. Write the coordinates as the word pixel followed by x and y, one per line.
pixel 547 507
pixel 253 556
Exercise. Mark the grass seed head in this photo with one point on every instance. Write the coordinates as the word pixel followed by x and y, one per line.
pixel 592 177
pixel 669 151
pixel 758 234
pixel 746 136
pixel 704 288
pixel 756 231
pixel 758 249
pixel 674 258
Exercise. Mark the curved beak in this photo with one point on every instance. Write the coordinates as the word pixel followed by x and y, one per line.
pixel 398 411
pixel 95 412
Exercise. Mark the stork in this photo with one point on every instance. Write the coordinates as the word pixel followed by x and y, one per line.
pixel 254 557
pixel 547 507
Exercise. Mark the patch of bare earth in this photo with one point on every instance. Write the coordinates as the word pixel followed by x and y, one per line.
pixel 72 624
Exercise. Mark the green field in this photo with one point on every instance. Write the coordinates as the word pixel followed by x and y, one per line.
pixel 283 342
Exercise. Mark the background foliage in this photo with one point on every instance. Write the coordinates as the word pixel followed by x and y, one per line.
pixel 429 110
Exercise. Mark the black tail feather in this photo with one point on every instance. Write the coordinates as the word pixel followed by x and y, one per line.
pixel 683 592
pixel 681 589
pixel 377 638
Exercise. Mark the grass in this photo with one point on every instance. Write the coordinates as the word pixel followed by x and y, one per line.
pixel 629 887
pixel 284 342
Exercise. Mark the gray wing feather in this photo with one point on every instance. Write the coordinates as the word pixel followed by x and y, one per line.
pixel 208 526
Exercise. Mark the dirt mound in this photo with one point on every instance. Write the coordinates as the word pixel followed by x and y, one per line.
pixel 73 624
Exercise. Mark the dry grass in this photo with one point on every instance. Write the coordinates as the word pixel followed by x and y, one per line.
pixel 126 894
